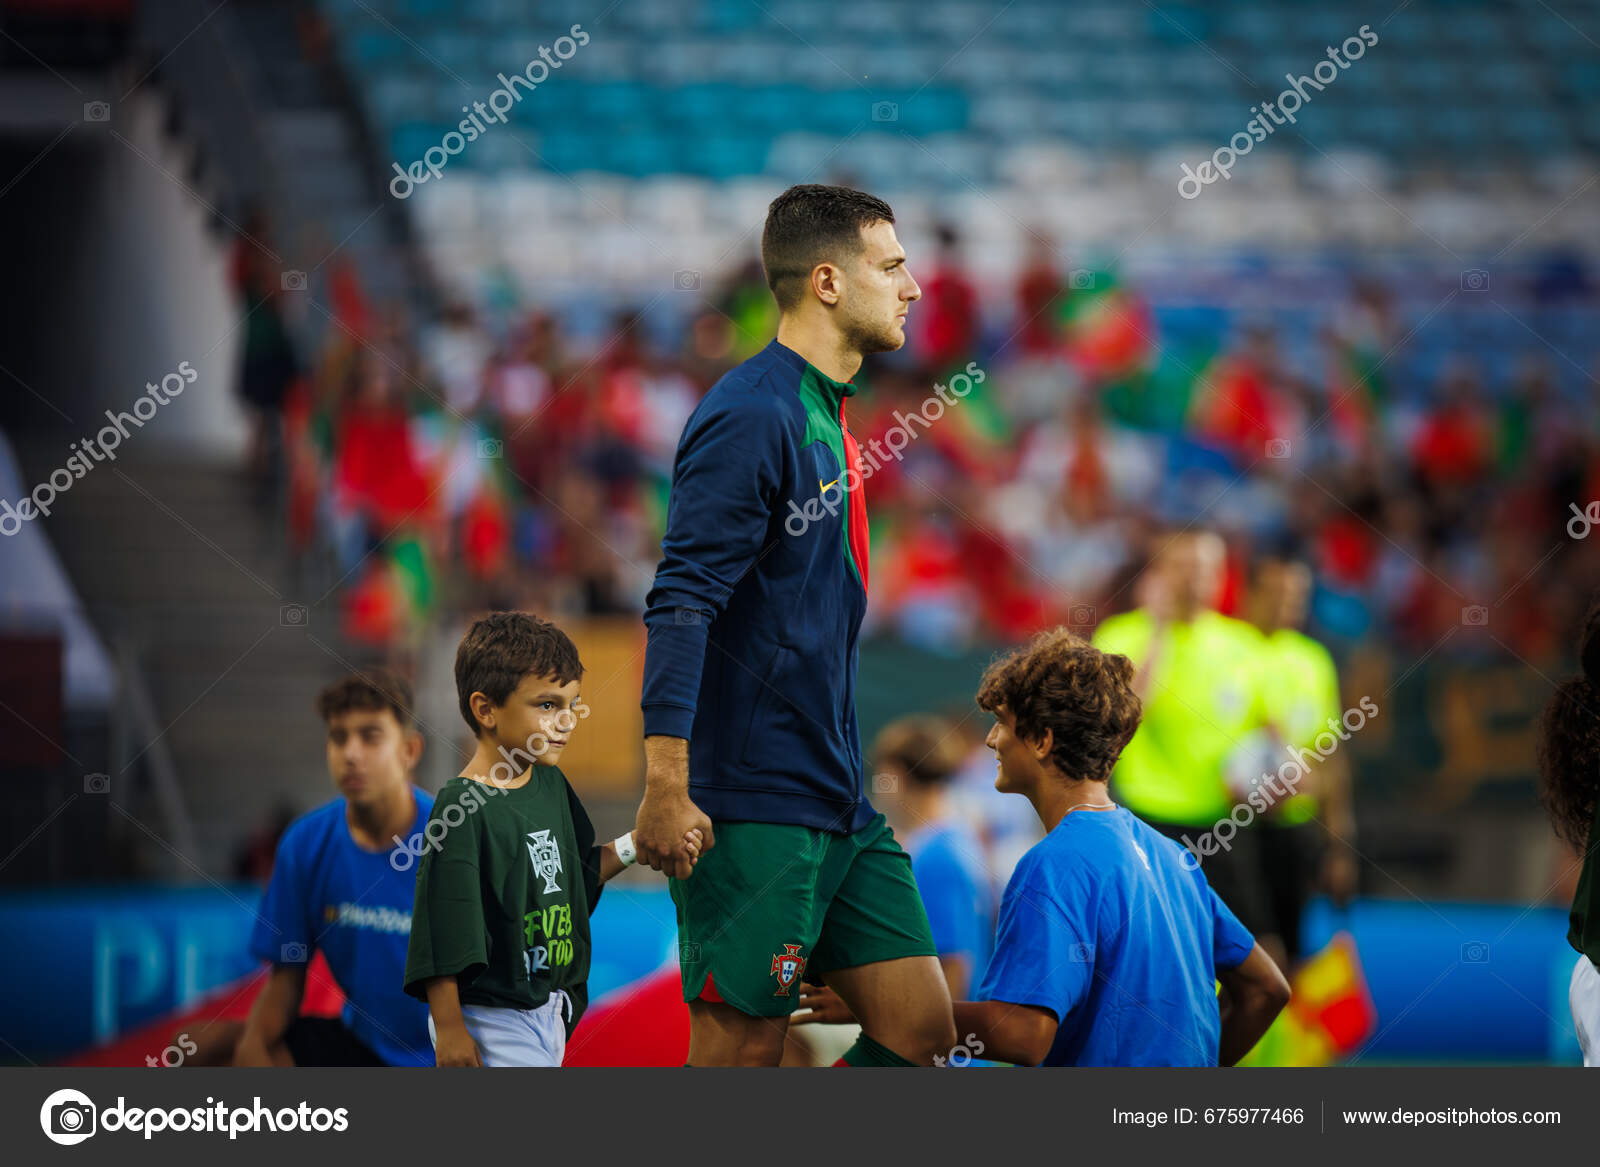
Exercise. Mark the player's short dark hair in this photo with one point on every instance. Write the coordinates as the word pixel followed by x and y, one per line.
pixel 501 649
pixel 925 749
pixel 1060 682
pixel 811 224
pixel 370 691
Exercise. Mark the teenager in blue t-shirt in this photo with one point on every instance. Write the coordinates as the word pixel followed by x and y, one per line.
pixel 343 883
pixel 1109 946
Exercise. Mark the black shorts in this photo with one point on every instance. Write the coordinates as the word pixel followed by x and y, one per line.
pixel 1290 860
pixel 325 1041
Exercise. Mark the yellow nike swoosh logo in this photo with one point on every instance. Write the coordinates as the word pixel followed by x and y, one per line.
pixel 827 486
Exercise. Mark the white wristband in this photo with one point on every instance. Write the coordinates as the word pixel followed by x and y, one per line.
pixel 625 850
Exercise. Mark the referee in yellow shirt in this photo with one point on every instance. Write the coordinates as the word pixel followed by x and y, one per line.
pixel 1309 837
pixel 1201 683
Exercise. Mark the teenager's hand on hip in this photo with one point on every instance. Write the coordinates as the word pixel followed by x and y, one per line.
pixel 820 1005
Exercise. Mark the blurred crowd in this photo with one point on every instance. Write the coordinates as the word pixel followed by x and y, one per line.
pixel 490 458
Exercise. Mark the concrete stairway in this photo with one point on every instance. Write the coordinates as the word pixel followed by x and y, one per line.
pixel 175 562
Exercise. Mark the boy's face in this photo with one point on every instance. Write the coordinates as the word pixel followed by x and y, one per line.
pixel 538 719
pixel 370 755
pixel 1019 767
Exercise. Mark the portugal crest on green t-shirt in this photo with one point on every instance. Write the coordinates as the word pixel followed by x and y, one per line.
pixel 546 856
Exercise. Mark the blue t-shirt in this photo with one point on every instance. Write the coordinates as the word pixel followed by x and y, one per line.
pixel 946 861
pixel 1104 925
pixel 327 892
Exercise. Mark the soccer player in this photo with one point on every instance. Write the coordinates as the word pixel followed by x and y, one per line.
pixel 1301 692
pixel 342 883
pixel 1199 680
pixel 750 671
pixel 1109 945
pixel 1569 774
pixel 510 872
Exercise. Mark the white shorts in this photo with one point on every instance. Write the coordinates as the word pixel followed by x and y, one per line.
pixel 1584 997
pixel 517 1037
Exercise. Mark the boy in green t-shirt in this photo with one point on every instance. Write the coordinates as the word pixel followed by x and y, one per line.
pixel 509 871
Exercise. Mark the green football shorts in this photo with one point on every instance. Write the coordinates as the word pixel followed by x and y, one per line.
pixel 772 904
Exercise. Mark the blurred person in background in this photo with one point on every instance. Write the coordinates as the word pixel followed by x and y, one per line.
pixel 1199 678
pixel 1569 777
pixel 913 761
pixel 1311 834
pixel 268 366
pixel 343 884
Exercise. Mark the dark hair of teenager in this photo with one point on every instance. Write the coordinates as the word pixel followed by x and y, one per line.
pixel 924 748
pixel 502 648
pixel 1568 746
pixel 812 224
pixel 371 691
pixel 1060 682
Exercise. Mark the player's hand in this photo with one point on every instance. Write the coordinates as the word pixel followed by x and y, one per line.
pixel 825 1007
pixel 662 832
pixel 456 1048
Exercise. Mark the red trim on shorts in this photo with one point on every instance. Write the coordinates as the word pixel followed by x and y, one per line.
pixel 709 992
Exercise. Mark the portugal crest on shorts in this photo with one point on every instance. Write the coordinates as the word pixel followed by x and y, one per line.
pixel 546 856
pixel 787 967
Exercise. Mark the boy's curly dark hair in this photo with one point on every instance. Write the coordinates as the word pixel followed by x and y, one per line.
pixel 502 648
pixel 1569 741
pixel 1062 683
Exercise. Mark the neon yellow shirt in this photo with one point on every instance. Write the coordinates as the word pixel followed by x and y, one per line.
pixel 1205 694
pixel 1302 695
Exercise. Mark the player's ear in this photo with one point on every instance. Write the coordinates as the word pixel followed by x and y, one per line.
pixel 826 280
pixel 1042 746
pixel 413 748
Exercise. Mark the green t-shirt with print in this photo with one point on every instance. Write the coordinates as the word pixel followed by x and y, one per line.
pixel 504 889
